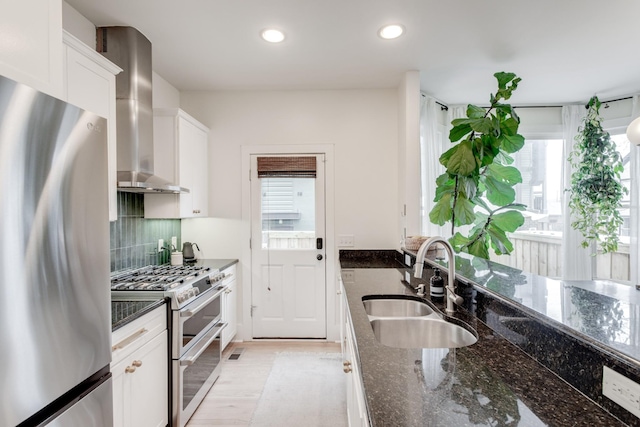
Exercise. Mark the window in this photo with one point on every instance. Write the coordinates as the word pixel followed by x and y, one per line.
pixel 540 163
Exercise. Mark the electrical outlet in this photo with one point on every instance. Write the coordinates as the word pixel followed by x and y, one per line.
pixel 345 240
pixel 622 390
pixel 348 276
pixel 160 245
pixel 407 260
pixel 174 243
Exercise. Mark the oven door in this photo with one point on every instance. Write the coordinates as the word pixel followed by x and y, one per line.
pixel 192 321
pixel 195 373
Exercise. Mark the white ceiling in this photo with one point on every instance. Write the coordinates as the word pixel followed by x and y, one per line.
pixel 565 51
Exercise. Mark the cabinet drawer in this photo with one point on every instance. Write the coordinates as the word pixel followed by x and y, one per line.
pixel 137 333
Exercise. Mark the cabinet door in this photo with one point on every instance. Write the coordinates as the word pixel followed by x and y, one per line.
pixel 90 83
pixel 141 386
pixel 193 169
pixel 230 314
pixel 121 395
pixel 31 53
pixel 150 384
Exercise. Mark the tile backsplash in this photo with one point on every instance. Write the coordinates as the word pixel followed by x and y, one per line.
pixel 134 240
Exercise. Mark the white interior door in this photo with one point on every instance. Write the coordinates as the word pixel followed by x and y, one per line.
pixel 288 285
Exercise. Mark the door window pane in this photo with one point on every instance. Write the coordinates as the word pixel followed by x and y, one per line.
pixel 288 213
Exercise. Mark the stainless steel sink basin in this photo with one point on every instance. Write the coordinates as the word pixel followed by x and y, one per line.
pixel 395 307
pixel 421 332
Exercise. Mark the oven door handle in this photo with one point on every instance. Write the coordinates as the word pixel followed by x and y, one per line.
pixel 189 312
pixel 197 350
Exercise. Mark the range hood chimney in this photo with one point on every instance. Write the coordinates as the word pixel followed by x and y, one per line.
pixel 131 51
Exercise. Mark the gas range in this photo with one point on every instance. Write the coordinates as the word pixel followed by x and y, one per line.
pixel 181 284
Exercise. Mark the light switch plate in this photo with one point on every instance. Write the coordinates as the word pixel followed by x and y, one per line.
pixel 160 245
pixel 346 240
pixel 622 390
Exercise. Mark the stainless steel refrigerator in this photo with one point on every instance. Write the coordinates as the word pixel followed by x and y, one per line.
pixel 55 315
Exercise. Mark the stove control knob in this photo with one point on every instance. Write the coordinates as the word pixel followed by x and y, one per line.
pixel 196 291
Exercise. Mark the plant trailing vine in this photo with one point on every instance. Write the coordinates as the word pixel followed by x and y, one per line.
pixel 477 187
pixel 596 191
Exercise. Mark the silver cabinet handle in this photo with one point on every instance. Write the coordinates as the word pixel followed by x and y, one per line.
pixel 128 340
pixel 202 345
pixel 189 312
pixel 130 369
pixel 137 363
pixel 346 367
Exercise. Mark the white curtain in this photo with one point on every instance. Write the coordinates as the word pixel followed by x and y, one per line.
pixel 432 143
pixel 635 201
pixel 577 262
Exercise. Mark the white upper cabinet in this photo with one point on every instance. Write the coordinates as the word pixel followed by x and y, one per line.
pixel 31 43
pixel 180 156
pixel 90 83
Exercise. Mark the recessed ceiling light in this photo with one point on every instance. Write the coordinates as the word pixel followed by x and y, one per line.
pixel 391 31
pixel 272 35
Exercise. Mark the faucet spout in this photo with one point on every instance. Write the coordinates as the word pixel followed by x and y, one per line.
pixel 452 298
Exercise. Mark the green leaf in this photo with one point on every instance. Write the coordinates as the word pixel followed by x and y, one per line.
pixel 509 127
pixel 479 248
pixel 463 211
pixel 462 162
pixel 459 131
pixel 499 241
pixel 503 158
pixel 507 174
pixel 482 125
pixel 474 112
pixel 444 158
pixel 469 186
pixel 498 192
pixel 504 79
pixel 508 221
pixel 442 212
pixel 512 143
pixel 458 240
pixel 444 187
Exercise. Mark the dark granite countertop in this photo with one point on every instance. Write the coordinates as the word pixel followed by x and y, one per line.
pixel 217 263
pixel 124 312
pixel 490 383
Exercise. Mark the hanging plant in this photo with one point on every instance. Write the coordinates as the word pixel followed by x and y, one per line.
pixel 477 187
pixel 596 190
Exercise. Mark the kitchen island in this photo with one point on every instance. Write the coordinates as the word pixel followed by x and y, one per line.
pixel 492 382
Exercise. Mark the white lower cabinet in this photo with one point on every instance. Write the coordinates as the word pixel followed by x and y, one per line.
pixel 356 405
pixel 140 372
pixel 230 307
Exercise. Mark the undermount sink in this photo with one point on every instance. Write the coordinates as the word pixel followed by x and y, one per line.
pixel 421 332
pixel 389 306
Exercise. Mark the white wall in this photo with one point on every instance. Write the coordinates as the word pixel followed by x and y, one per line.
pixel 78 25
pixel 361 124
pixel 165 95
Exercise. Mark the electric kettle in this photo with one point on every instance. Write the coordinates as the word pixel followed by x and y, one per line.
pixel 187 251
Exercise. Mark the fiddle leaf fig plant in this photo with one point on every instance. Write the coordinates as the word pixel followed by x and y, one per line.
pixel 477 187
pixel 596 191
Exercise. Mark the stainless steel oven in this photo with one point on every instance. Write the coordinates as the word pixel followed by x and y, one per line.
pixel 195 294
pixel 194 373
pixel 196 352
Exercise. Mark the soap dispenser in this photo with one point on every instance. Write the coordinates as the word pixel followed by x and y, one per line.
pixel 436 286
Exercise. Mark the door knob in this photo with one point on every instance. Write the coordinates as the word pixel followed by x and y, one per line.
pixel 319 257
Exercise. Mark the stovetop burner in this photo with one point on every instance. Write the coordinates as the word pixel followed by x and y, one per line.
pixel 156 277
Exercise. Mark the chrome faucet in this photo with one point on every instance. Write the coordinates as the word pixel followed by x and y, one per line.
pixel 452 298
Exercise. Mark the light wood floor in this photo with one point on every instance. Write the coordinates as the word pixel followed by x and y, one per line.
pixel 234 397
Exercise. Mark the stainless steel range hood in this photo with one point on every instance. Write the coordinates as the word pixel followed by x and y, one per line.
pixel 131 51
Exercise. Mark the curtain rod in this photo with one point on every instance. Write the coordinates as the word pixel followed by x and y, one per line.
pixel 446 108
pixel 443 107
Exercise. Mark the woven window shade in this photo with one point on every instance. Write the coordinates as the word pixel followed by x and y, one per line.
pixel 286 167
